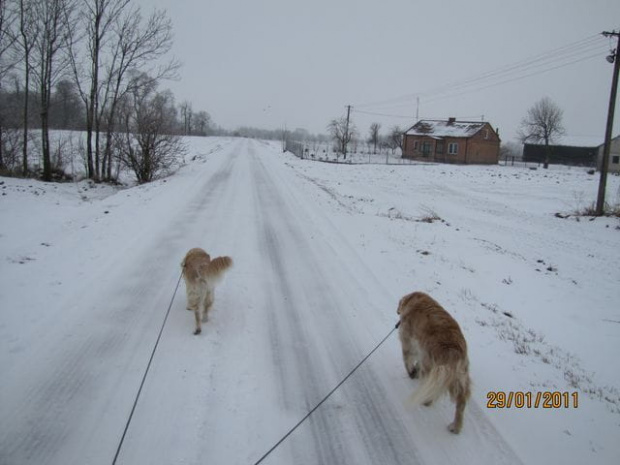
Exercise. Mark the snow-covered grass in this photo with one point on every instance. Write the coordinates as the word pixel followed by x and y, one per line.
pixel 323 252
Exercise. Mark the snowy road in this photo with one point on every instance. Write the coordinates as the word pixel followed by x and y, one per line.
pixel 298 311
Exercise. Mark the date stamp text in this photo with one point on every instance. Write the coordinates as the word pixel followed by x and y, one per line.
pixel 528 399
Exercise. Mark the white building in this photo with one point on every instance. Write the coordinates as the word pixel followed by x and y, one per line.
pixel 614 155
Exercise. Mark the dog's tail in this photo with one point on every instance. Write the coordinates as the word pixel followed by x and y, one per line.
pixel 218 266
pixel 452 378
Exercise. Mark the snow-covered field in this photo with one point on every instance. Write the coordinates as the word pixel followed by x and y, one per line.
pixel 322 254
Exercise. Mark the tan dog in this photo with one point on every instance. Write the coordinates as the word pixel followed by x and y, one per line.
pixel 201 275
pixel 434 347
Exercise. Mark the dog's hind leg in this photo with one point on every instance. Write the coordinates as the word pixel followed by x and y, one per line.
pixel 198 329
pixel 193 296
pixel 409 355
pixel 459 393
pixel 207 303
pixel 457 424
pixel 199 311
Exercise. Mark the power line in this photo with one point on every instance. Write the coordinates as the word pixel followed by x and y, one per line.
pixel 563 53
pixel 543 62
pixel 516 78
pixel 372 113
pixel 553 55
pixel 381 114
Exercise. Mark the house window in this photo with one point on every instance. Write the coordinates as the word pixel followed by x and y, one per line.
pixel 453 148
pixel 615 159
pixel 486 134
pixel 426 149
pixel 415 145
pixel 439 147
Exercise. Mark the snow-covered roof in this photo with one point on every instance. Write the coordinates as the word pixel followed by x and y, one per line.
pixel 580 141
pixel 444 128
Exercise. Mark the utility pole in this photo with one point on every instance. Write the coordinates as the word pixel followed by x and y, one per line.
pixel 346 133
pixel 615 59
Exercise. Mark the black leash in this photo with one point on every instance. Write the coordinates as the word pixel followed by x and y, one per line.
pixel 326 397
pixel 146 372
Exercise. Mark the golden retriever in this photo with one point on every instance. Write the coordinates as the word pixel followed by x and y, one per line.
pixel 201 275
pixel 434 348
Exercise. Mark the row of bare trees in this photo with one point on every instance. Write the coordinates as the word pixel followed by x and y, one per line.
pixel 114 57
pixel 344 132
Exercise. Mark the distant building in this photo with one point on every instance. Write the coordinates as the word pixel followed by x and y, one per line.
pixel 560 154
pixel 452 141
pixel 614 156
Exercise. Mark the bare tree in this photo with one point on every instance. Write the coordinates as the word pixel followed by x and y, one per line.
pixel 186 117
pixel 97 20
pixel 10 143
pixel 341 132
pixel 56 18
pixel 135 47
pixel 395 139
pixel 146 141
pixel 28 35
pixel 117 44
pixel 374 135
pixel 203 122
pixel 7 39
pixel 67 111
pixel 543 123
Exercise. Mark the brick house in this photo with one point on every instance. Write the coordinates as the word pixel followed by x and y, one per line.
pixel 452 141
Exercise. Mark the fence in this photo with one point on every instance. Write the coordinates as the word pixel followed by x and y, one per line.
pixel 326 154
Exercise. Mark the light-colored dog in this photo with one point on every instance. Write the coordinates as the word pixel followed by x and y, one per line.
pixel 434 348
pixel 201 275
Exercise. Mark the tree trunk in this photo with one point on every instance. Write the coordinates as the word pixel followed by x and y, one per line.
pixel 45 136
pixel 110 130
pixel 98 160
pixel 89 146
pixel 93 106
pixel 1 156
pixel 45 147
pixel 26 103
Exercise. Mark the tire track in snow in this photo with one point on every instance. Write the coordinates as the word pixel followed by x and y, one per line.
pixel 311 370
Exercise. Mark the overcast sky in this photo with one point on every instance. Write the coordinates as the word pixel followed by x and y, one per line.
pixel 270 63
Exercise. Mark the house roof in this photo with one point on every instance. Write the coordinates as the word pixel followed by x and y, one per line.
pixel 444 128
pixel 576 141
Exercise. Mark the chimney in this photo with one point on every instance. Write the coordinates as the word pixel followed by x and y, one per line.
pixel 451 120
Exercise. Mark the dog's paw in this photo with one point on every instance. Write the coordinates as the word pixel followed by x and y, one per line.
pixel 197 332
pixel 454 428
